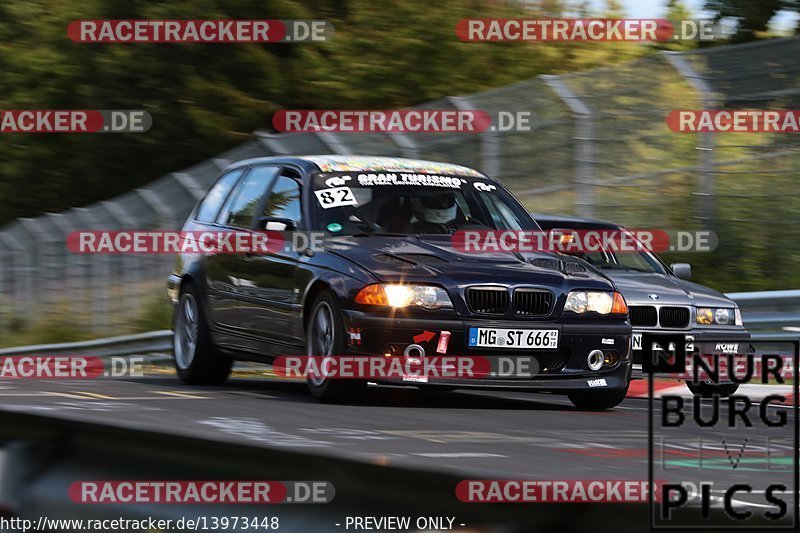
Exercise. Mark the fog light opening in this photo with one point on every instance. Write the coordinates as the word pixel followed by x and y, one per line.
pixel 390 351
pixel 595 360
pixel 611 358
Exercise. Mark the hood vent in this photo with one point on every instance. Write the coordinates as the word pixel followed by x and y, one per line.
pixel 395 260
pixel 423 259
pixel 570 268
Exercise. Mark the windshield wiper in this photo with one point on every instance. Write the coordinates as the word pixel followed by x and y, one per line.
pixel 379 234
pixel 618 267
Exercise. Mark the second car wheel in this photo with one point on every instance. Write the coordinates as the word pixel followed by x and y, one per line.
pixel 325 337
pixel 197 359
pixel 707 390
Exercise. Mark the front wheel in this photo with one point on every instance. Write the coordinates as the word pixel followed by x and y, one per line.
pixel 707 390
pixel 325 337
pixel 597 400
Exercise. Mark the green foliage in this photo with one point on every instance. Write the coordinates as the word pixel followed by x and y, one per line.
pixel 752 16
pixel 206 98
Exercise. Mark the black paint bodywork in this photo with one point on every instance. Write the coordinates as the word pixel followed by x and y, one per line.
pixel 257 304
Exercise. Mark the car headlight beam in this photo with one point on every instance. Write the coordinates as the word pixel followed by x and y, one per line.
pixel 401 295
pixel 601 302
pixel 720 316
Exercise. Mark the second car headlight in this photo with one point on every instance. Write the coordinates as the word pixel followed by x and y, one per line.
pixel 396 295
pixel 600 302
pixel 722 316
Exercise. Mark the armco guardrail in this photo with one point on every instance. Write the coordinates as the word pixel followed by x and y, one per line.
pixel 770 311
pixel 140 343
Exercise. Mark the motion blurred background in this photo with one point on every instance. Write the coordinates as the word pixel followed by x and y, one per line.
pixel 599 145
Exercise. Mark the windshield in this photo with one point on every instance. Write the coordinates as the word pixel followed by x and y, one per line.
pixel 352 203
pixel 639 261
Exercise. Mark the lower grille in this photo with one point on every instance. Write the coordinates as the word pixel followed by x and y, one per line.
pixel 553 362
pixel 487 300
pixel 643 315
pixel 673 317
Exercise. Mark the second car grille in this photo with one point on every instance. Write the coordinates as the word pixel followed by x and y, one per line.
pixel 673 317
pixel 487 301
pixel 643 315
pixel 531 302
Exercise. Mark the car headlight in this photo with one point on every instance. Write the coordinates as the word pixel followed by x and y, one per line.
pixel 722 316
pixel 600 302
pixel 396 295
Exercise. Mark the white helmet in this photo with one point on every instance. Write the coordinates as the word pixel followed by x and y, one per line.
pixel 437 208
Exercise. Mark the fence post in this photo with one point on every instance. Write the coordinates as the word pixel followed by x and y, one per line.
pixel 584 179
pixel 708 100
pixel 334 143
pixel 10 286
pixel 490 140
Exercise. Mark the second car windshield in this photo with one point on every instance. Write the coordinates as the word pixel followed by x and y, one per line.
pixel 632 260
pixel 409 204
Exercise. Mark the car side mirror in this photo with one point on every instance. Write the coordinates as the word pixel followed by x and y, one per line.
pixel 682 270
pixel 277 224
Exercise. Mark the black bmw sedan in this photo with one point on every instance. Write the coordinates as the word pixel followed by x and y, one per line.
pixel 383 278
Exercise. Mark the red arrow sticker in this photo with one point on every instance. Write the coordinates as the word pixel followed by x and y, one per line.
pixel 425 336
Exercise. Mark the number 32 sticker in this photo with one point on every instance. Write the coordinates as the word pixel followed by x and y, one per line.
pixel 335 197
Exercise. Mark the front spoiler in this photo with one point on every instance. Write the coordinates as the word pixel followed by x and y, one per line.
pixel 614 379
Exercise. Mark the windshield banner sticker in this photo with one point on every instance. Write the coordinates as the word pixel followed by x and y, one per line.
pixel 427 180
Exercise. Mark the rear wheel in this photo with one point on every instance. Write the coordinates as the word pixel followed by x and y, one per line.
pixel 325 337
pixel 707 390
pixel 197 359
pixel 597 400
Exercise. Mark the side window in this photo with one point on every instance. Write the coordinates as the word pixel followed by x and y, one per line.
pixel 209 207
pixel 242 205
pixel 283 200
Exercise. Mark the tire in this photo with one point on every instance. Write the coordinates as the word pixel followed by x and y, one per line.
pixel 197 359
pixel 325 336
pixel 707 390
pixel 597 400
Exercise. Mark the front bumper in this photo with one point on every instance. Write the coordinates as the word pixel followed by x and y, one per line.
pixel 694 337
pixel 560 370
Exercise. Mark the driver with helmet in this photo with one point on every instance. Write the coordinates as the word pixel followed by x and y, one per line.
pixel 435 213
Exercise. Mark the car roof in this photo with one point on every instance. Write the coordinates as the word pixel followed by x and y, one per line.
pixel 569 221
pixel 355 163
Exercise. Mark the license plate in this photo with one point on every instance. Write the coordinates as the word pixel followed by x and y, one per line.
pixel 537 339
pixel 637 342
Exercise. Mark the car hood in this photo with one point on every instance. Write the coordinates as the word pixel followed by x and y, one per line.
pixel 637 287
pixel 433 258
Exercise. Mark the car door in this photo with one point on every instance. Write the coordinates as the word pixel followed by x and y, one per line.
pixel 270 280
pixel 219 286
pixel 225 270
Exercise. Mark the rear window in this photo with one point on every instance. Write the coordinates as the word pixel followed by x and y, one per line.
pixel 209 207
